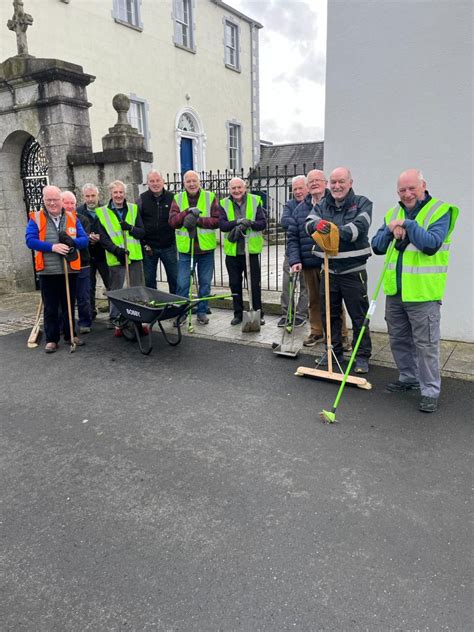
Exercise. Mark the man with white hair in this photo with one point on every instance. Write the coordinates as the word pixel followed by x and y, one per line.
pixel 159 241
pixel 83 285
pixel 414 284
pixel 55 234
pixel 120 221
pixel 98 264
pixel 242 218
pixel 194 215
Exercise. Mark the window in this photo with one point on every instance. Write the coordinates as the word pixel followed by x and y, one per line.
pixel 183 24
pixel 127 12
pixel 235 146
pixel 231 31
pixel 138 116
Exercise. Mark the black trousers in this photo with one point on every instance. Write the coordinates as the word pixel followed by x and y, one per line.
pixel 103 269
pixel 352 289
pixel 53 291
pixel 237 270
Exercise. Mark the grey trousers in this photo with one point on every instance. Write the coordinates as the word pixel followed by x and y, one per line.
pixel 414 332
pixel 117 279
pixel 302 307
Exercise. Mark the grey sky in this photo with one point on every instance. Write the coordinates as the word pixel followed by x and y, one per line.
pixel 292 67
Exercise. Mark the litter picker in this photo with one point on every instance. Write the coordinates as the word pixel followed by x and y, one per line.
pixel 285 348
pixel 250 319
pixel 35 335
pixel 327 416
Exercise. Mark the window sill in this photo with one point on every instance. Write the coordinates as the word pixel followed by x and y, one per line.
pixel 130 26
pixel 234 68
pixel 186 48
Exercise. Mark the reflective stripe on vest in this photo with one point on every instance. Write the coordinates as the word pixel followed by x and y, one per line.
pixel 345 255
pixel 110 222
pixel 206 236
pixel 39 217
pixel 423 276
pixel 255 237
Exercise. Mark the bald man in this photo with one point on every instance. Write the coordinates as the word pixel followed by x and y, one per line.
pixel 414 284
pixel 55 234
pixel 242 218
pixel 352 214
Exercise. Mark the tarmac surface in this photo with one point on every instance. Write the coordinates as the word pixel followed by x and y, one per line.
pixel 196 490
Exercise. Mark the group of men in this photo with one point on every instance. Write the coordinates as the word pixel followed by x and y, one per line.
pixel 420 228
pixel 180 230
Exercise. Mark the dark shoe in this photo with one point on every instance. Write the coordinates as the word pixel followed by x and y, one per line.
pixel 312 340
pixel 202 319
pixel 181 319
pixel 208 311
pixel 361 365
pixel 111 323
pixel 282 322
pixel 322 363
pixel 428 404
pixel 399 387
pixel 262 320
pixel 51 347
pixel 236 320
pixel 346 344
pixel 299 322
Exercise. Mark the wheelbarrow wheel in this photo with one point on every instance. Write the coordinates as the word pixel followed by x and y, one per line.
pixel 128 330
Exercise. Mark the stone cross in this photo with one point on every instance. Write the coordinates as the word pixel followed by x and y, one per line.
pixel 19 23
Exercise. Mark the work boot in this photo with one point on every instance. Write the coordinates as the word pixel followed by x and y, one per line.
pixel 428 404
pixel 312 340
pixel 361 365
pixel 202 319
pixel 399 387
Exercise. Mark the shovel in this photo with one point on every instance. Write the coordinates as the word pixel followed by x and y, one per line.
pixel 250 319
pixel 285 348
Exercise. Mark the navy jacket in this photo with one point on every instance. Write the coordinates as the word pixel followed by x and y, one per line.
pixel 299 244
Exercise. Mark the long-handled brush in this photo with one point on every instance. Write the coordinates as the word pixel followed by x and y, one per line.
pixel 191 279
pixel 327 416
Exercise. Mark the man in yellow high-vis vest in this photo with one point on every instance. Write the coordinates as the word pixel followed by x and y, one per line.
pixel 194 214
pixel 117 219
pixel 242 217
pixel 414 284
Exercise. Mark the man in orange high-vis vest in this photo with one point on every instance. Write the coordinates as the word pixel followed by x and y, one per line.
pixel 53 234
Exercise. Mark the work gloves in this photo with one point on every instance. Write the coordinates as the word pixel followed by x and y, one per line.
pixel 125 226
pixel 64 238
pixel 236 233
pixel 190 221
pixel 195 211
pixel 323 227
pixel 243 221
pixel 120 253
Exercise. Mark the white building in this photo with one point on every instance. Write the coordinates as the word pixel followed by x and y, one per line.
pixel 399 95
pixel 190 68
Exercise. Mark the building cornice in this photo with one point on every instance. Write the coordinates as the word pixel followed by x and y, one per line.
pixel 237 13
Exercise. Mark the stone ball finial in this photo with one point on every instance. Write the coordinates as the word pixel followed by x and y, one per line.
pixel 121 104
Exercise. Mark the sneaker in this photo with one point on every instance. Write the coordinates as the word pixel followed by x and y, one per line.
pixel 118 332
pixel 202 319
pixel 399 387
pixel 312 340
pixel 51 347
pixel 236 320
pixel 361 365
pixel 299 322
pixel 346 344
pixel 84 330
pixel 282 322
pixel 428 404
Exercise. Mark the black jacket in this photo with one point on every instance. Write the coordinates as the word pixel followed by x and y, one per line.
pixel 299 244
pixel 96 251
pixel 155 212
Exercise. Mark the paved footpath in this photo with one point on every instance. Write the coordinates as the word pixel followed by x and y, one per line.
pixel 196 490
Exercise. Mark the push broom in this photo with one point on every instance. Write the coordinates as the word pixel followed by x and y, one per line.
pixel 327 416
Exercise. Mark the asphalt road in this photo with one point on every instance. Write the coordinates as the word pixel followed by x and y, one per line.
pixel 196 490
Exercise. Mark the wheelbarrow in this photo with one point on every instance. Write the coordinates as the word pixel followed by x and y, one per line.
pixel 134 306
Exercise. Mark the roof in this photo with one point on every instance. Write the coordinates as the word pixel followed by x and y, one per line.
pixel 298 158
pixel 237 13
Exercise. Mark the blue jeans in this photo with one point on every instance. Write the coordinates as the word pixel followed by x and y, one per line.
pixel 83 297
pixel 205 268
pixel 169 257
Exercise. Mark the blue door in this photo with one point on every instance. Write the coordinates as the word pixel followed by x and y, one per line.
pixel 186 154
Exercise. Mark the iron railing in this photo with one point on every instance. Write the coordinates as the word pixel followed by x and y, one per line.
pixel 274 186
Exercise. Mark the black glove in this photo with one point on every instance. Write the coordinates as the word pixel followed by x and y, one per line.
pixel 120 253
pixel 190 221
pixel 64 238
pixel 246 223
pixel 126 226
pixel 401 244
pixel 195 211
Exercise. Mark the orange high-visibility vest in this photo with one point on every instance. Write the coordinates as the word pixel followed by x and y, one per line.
pixel 39 217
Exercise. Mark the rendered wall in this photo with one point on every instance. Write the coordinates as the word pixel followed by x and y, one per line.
pixel 399 95
pixel 149 65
